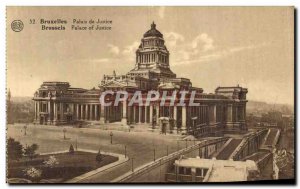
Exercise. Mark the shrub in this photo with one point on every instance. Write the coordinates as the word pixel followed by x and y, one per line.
pixel 14 149
pixel 51 162
pixel 30 151
pixel 71 149
pixel 33 173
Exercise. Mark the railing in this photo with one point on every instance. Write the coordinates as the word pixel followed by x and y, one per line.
pixel 199 179
pixel 171 177
pixel 165 159
pixel 261 163
pixel 236 154
pixel 184 178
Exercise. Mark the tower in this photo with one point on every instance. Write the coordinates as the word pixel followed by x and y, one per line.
pixel 152 56
pixel 8 95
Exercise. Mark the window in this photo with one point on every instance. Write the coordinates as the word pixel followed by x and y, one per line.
pixel 198 172
pixel 188 171
pixel 181 170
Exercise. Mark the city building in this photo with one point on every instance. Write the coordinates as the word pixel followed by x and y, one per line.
pixel 57 103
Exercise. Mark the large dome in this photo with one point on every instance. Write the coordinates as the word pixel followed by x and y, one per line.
pixel 153 32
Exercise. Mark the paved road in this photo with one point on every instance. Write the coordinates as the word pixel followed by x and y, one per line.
pixel 271 136
pixel 229 149
pixel 140 145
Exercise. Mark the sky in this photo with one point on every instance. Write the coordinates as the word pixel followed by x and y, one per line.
pixel 252 47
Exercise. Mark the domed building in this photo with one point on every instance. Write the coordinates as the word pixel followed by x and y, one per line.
pixel 57 103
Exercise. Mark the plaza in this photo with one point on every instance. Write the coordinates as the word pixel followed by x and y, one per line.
pixel 139 145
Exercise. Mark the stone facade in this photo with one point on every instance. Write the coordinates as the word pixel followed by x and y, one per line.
pixel 57 103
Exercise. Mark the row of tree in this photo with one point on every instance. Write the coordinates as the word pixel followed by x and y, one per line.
pixel 15 150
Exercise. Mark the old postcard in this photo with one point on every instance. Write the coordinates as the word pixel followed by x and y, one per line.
pixel 150 94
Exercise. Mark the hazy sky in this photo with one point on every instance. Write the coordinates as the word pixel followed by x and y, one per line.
pixel 213 46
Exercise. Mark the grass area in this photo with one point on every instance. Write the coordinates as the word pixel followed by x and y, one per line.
pixel 68 166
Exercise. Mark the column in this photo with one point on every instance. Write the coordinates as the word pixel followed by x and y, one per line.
pixel 102 115
pixel 212 113
pixel 96 111
pixel 146 113
pixel 35 111
pixel 229 113
pixel 157 113
pixel 236 114
pixel 243 112
pixel 38 111
pixel 134 113
pixel 140 114
pixel 55 111
pixel 91 111
pixel 81 112
pixel 124 113
pixel 77 111
pixel 175 117
pixel 183 118
pixel 151 114
pixel 86 112
pixel 61 111
pixel 49 111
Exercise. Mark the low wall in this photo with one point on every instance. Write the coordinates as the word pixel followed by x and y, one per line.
pixel 156 171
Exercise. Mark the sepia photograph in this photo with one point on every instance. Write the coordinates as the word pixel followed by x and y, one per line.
pixel 150 94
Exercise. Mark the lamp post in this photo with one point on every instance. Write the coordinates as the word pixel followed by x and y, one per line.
pixel 199 151
pixel 194 119
pixel 111 135
pixel 167 150
pixel 25 127
pixel 132 165
pixel 154 154
pixel 76 145
pixel 64 131
pixel 125 152
pixel 186 143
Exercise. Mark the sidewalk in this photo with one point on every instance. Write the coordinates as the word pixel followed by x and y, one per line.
pixel 121 160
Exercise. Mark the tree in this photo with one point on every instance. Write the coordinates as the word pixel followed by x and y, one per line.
pixel 99 156
pixel 14 149
pixel 71 149
pixel 30 150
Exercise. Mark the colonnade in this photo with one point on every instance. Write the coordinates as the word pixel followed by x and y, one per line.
pixel 185 117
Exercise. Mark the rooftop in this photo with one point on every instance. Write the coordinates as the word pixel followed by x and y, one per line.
pixel 153 32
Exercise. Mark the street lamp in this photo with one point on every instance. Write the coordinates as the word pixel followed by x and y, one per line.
pixel 25 127
pixel 64 131
pixel 199 151
pixel 76 145
pixel 186 143
pixel 125 152
pixel 111 135
pixel 167 150
pixel 132 165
